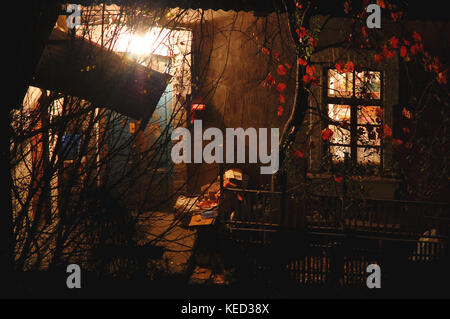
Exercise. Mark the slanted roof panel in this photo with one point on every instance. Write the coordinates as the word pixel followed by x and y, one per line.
pixel 81 68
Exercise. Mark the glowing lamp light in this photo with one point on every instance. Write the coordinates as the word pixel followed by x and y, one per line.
pixel 150 43
pixel 136 44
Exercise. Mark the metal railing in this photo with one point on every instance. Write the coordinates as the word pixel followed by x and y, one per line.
pixel 258 210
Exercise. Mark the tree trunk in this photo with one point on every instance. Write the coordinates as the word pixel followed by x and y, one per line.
pixel 300 104
pixel 31 23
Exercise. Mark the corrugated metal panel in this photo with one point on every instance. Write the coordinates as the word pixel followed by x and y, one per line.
pixel 81 68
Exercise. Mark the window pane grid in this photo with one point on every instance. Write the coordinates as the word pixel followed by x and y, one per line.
pixel 354 102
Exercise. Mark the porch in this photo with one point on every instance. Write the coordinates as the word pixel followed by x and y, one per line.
pixel 272 238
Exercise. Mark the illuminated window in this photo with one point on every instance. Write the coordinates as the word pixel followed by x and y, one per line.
pixel 354 105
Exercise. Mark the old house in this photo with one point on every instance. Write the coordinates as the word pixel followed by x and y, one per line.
pixel 361 181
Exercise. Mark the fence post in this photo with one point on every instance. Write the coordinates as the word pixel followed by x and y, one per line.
pixel 336 265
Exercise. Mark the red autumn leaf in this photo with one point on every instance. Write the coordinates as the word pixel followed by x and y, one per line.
pixel 406 113
pixel 417 37
pixel 327 133
pixel 281 87
pixel 415 48
pixel 338 179
pixel 239 197
pixel 434 66
pixel 403 51
pixel 346 7
pixel 301 32
pixel 397 142
pixel 312 42
pixel 310 70
pixel 280 110
pixel 340 66
pixel 288 65
pixel 406 42
pixel 387 131
pixel 442 77
pixel 364 32
pixel 378 58
pixel 265 51
pixel 298 154
pixel 282 99
pixel 394 42
pixel 388 54
pixel 309 79
pixel 350 66
pixel 301 61
pixel 396 15
pixel 281 70
pixel 306 79
pixel 406 130
pixel 381 4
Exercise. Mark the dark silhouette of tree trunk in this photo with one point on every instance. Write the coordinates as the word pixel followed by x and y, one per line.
pixel 25 46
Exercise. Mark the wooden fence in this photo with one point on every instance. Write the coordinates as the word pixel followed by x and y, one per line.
pixel 329 240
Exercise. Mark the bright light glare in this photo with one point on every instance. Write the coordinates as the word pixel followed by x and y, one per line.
pixel 153 42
